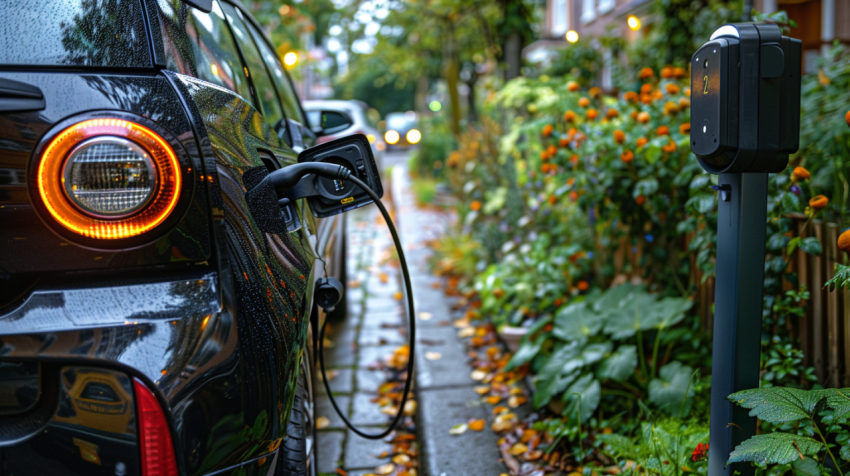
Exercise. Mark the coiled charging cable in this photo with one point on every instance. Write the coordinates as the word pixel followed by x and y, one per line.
pixel 285 179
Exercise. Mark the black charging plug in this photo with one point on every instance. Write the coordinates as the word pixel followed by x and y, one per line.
pixel 328 293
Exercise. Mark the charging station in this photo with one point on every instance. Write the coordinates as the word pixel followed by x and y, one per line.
pixel 745 121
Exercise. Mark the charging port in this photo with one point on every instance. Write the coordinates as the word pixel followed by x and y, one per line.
pixel 339 185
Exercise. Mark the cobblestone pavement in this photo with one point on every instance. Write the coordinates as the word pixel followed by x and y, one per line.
pixel 374 327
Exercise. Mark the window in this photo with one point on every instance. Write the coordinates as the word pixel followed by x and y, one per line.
pixel 74 33
pixel 100 391
pixel 588 11
pixel 217 59
pixel 560 17
pixel 264 88
pixel 291 106
pixel 606 6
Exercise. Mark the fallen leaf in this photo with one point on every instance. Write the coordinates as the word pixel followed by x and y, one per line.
pixel 410 407
pixel 534 455
pixel 462 322
pixel 383 277
pixel 425 316
pixel 322 422
pixel 517 391
pixel 332 374
pixel 476 425
pixel 499 409
pixel 466 332
pixel 433 355
pixel 342 472
pixel 436 285
pixel 504 422
pixel 481 389
pixel 493 399
pixel 527 435
pixel 518 449
pixel 516 401
pixel 398 295
pixel 385 468
pixel 401 458
pixel 478 375
pixel 458 429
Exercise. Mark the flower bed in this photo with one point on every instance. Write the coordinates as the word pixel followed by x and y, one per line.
pixel 586 221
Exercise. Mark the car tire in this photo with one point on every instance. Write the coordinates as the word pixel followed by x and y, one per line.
pixel 341 309
pixel 298 451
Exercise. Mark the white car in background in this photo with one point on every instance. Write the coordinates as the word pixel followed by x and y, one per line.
pixel 358 111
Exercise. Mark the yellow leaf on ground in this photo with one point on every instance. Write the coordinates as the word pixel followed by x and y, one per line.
pixel 481 389
pixel 517 391
pixel 385 469
pixel 527 435
pixel 499 409
pixel 322 422
pixel 462 322
pixel 476 425
pixel 493 399
pixel 398 296
pixel 410 407
pixel 401 458
pixel 516 401
pixel 478 375
pixel 518 449
pixel 425 316
pixel 383 277
pixel 433 355
pixel 466 332
pixel 458 429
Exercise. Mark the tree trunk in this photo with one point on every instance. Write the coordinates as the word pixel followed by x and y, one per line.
pixel 513 55
pixel 421 102
pixel 451 73
pixel 471 108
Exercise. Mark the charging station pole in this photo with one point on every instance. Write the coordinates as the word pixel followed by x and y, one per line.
pixel 739 286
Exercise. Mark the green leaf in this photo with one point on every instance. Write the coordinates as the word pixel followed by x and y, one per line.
pixel 671 392
pixel 792 245
pixel 576 321
pixel 775 448
pixel 811 245
pixel 619 365
pixel 582 397
pixel 844 453
pixel 703 202
pixel 646 187
pixel 805 467
pixel 700 181
pixel 547 388
pixel 778 404
pixel 653 152
pixel 527 351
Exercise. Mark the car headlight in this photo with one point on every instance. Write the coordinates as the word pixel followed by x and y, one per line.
pixel 413 136
pixel 391 137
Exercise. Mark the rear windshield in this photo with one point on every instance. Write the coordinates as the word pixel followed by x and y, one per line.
pixel 107 33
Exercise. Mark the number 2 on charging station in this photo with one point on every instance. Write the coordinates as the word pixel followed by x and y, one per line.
pixel 705 84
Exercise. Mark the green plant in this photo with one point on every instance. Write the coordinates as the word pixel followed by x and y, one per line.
pixel 809 427
pixel 621 337
pixel 782 365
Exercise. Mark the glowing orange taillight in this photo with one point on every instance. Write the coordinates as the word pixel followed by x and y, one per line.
pixel 109 179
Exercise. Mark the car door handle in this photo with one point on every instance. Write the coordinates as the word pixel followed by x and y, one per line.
pixel 16 96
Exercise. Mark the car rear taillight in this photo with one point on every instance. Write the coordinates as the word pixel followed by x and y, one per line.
pixel 157 450
pixel 109 179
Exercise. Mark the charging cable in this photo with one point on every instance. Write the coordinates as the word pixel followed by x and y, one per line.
pixel 287 178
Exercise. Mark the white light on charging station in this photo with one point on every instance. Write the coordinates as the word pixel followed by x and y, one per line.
pixel 572 36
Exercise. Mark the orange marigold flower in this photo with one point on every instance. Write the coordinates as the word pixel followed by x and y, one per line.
pixel 844 241
pixel 646 88
pixel 583 102
pixel 670 108
pixel 684 103
pixel 547 130
pixel 583 285
pixel 679 72
pixel 569 116
pixel 646 98
pixel 594 92
pixel 574 159
pixel 612 113
pixel 552 150
pixel 662 130
pixel 592 113
pixel 573 86
pixel 688 92
pixel 672 88
pixel 646 72
pixel 633 114
pixel 475 206
pixel 641 141
pixel 630 96
pixel 640 199
pixel 800 174
pixel 544 168
pixel 572 132
pixel 551 199
pixel 627 156
pixel 643 117
pixel 818 201
pixel 619 136
pixel 847 118
pixel 571 181
pixel 573 196
pixel 667 72
pixel 685 128
pixel 671 147
pixel 564 142
pixel 544 155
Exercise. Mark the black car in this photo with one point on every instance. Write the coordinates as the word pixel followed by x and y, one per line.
pixel 154 320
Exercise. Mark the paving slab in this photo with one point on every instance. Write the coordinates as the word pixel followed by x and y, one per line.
pixel 341 384
pixel 323 408
pixel 329 452
pixel 366 413
pixel 361 453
